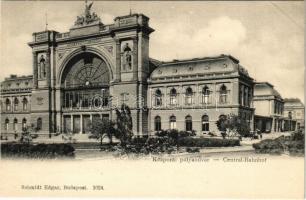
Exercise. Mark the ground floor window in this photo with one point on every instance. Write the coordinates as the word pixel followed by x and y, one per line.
pixel 15 124
pixel 157 123
pixel 172 122
pixel 205 123
pixel 7 123
pixel 188 123
pixel 39 124
pixel 24 124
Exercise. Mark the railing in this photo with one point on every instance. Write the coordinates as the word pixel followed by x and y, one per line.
pixel 82 86
pixel 16 90
pixel 62 35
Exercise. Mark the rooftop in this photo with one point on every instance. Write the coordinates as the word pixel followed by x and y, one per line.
pixel 221 64
pixel 265 89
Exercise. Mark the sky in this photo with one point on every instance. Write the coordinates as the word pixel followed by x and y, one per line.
pixel 267 37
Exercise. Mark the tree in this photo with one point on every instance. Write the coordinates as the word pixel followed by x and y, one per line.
pixel 101 128
pixel 124 125
pixel 221 124
pixel 26 135
pixel 233 125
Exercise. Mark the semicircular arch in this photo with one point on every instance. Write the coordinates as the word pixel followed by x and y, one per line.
pixel 65 63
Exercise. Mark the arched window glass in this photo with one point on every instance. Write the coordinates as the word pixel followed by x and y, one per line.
pixel 7 123
pixel 24 104
pixel 158 98
pixel 157 122
pixel 188 96
pixel 173 95
pixel 223 94
pixel 172 122
pixel 24 123
pixel 188 123
pixel 15 124
pixel 16 102
pixel 39 123
pixel 205 123
pixel 8 105
pixel 205 95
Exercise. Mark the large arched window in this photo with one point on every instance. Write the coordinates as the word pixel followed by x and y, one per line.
pixel 188 96
pixel 7 105
pixel 39 124
pixel 223 94
pixel 172 122
pixel 157 123
pixel 188 123
pixel 205 95
pixel 7 123
pixel 158 98
pixel 173 95
pixel 24 123
pixel 205 123
pixel 16 102
pixel 24 104
pixel 15 124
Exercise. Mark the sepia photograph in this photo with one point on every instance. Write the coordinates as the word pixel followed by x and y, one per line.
pixel 152 99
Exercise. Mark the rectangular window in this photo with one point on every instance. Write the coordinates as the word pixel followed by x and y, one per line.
pixel 158 101
pixel 172 100
pixel 172 125
pixel 188 100
pixel 205 99
pixel 223 98
pixel 205 126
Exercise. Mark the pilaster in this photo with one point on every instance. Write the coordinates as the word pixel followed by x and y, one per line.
pixel 35 70
pixel 135 58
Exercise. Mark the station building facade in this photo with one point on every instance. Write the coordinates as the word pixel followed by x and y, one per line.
pixel 294 110
pixel 85 73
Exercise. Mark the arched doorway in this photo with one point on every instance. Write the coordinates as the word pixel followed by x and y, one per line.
pixel 85 91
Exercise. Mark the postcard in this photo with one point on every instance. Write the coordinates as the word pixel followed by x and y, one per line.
pixel 152 99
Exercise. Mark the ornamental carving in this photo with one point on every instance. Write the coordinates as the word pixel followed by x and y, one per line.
pixel 40 100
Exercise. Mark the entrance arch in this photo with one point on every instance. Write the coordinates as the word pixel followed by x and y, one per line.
pixel 84 83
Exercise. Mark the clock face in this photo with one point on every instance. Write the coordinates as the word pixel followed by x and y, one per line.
pixel 87 70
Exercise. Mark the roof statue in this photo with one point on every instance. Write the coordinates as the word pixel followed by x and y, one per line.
pixel 88 17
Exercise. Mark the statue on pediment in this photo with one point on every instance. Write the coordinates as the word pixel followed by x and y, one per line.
pixel 87 9
pixel 88 17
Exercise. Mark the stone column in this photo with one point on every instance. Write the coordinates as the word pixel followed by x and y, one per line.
pixel 35 70
pixel 118 61
pixel 71 124
pixel 135 58
pixel 81 124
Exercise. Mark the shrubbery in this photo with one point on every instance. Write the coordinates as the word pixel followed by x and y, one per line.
pixel 269 146
pixel 294 145
pixel 208 142
pixel 36 150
